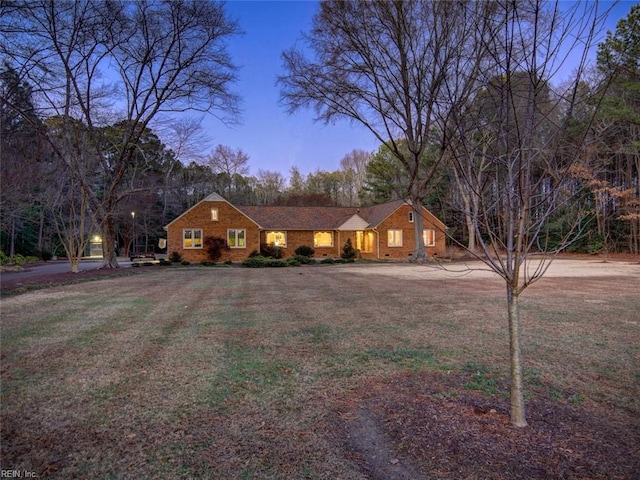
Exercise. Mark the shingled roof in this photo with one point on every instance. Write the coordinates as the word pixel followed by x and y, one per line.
pixel 316 218
pixel 298 218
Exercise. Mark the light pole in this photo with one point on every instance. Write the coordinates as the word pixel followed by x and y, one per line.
pixel 133 233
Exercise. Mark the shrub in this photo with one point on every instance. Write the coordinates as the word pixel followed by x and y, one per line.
pixel 276 262
pixel 4 258
pixel 260 262
pixel 32 259
pixel 344 260
pixel 348 251
pixel 293 261
pixel 164 262
pixel 305 251
pixel 175 257
pixel 214 247
pixel 254 253
pixel 270 250
pixel 207 263
pixel 18 260
pixel 304 260
pixel 254 262
pixel 185 262
pixel 327 261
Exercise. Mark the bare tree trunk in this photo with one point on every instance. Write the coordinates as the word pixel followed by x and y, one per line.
pixel 109 257
pixel 41 231
pixel 518 416
pixel 419 253
pixel 12 238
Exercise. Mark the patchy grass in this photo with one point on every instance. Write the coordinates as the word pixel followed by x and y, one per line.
pixel 260 373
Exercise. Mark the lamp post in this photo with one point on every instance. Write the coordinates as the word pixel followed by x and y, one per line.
pixel 133 233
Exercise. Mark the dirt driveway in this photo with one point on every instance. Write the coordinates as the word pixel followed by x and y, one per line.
pixel 559 268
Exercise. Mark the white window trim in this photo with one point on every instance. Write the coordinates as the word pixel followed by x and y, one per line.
pixel 192 230
pixel 322 246
pixel 411 216
pixel 425 236
pixel 395 237
pixel 229 230
pixel 215 214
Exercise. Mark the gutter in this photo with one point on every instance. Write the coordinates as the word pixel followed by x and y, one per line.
pixel 377 243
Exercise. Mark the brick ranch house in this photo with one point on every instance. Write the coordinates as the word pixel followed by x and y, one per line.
pixel 378 232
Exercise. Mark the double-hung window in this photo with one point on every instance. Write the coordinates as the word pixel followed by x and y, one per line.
pixel 429 237
pixel 394 238
pixel 192 238
pixel 323 239
pixel 237 238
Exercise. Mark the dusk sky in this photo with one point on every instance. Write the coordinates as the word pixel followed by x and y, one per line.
pixel 273 139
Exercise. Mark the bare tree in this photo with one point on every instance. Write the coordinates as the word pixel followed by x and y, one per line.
pixel 510 140
pixel 269 186
pixel 72 222
pixel 354 165
pixel 397 68
pixel 230 163
pixel 188 140
pixel 161 56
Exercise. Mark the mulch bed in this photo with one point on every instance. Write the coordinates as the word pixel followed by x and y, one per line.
pixel 469 436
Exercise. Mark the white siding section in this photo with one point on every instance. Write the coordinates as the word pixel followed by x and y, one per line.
pixel 355 223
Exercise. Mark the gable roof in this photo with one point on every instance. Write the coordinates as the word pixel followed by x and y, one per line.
pixel 269 217
pixel 298 218
pixel 212 197
pixel 319 218
pixel 376 214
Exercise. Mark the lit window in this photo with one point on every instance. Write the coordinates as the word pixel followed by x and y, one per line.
pixel 429 237
pixel 214 214
pixel 364 241
pixel 394 238
pixel 192 238
pixel 236 238
pixel 279 239
pixel 410 217
pixel 323 239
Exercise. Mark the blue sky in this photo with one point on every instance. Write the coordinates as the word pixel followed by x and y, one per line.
pixel 273 139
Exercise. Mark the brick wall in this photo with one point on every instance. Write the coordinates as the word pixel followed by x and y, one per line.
pixel 229 217
pixel 400 220
pixel 200 217
pixel 297 238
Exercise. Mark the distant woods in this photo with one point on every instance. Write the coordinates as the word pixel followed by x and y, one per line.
pixel 82 152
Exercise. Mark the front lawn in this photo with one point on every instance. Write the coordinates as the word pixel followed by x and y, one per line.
pixel 332 372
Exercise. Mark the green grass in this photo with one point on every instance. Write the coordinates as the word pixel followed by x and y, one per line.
pixel 249 372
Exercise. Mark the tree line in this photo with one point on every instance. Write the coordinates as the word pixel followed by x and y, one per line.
pixel 69 172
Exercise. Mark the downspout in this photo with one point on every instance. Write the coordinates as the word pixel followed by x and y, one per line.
pixel 377 243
